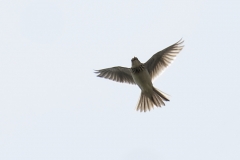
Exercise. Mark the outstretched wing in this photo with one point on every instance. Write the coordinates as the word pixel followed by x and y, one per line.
pixel 118 74
pixel 159 61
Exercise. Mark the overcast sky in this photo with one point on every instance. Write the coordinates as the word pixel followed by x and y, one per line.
pixel 53 107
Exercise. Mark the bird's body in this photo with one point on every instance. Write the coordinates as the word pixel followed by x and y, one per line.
pixel 143 80
pixel 150 96
pixel 142 75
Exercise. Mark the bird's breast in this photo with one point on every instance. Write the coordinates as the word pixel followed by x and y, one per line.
pixel 142 78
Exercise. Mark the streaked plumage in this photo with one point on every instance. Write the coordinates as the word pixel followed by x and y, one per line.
pixel 142 74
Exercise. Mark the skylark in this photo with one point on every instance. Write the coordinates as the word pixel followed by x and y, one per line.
pixel 142 74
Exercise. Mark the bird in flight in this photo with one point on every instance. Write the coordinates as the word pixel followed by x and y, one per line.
pixel 142 74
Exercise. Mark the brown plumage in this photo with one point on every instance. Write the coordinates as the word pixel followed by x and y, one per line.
pixel 142 74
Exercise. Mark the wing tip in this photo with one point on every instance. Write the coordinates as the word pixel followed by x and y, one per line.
pixel 180 42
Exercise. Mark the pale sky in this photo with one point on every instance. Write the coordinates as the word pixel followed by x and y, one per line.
pixel 53 107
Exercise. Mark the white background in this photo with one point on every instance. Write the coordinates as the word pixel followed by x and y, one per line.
pixel 53 107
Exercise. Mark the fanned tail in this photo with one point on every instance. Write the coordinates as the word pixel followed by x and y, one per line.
pixel 157 99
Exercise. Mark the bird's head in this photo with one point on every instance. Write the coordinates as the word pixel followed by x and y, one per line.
pixel 135 62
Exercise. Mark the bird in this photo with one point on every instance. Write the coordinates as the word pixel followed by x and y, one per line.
pixel 143 74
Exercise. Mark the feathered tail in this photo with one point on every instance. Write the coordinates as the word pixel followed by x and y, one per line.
pixel 145 103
